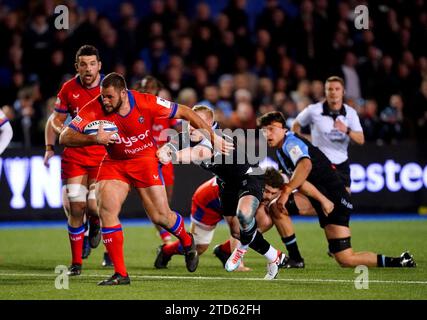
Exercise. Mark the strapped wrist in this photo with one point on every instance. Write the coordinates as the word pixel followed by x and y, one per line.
pixel 49 147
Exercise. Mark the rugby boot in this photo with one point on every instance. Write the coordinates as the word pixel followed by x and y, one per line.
pixel 115 280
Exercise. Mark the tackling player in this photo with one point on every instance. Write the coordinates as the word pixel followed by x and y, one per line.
pixel 240 189
pixel 304 162
pixel 131 162
pixel 206 212
pixel 79 166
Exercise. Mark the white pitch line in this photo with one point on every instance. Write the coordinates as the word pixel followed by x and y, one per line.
pixel 216 278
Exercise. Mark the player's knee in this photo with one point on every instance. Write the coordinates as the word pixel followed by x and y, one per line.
pixel 77 209
pixel 245 219
pixel 76 192
pixel 337 248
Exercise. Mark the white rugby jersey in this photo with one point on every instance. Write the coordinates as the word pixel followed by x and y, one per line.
pixel 331 141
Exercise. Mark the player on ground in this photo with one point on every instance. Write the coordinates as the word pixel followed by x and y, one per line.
pixel 151 85
pixel 131 161
pixel 6 132
pixel 79 166
pixel 240 189
pixel 304 162
pixel 206 212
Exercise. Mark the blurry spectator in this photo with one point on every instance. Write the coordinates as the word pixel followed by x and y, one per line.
pixel 350 76
pixel 242 95
pixel 244 117
pixel 138 71
pixel 203 17
pixel 227 52
pixel 156 57
pixel 25 124
pixel 393 127
pixel 236 13
pixel 222 108
pixel 290 110
pixel 388 83
pixel 213 68
pixel 37 41
pixel 265 91
pixel 370 121
pixel 174 81
pixel 260 66
pixel 204 43
pixel 317 91
pixel 226 87
pixel 187 97
pixel 302 94
pixel 418 111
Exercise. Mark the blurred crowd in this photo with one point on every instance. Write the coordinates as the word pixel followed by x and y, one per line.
pixel 240 64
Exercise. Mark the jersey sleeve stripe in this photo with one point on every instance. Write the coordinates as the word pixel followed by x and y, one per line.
pixel 74 127
pixel 174 110
pixel 60 110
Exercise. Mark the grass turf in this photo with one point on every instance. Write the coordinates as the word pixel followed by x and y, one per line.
pixel 28 259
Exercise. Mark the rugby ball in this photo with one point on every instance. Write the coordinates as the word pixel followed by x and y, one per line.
pixel 92 127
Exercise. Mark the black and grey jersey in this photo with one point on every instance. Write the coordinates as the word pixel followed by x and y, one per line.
pixel 228 168
pixel 294 149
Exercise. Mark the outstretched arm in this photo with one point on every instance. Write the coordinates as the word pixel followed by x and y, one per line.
pixel 220 144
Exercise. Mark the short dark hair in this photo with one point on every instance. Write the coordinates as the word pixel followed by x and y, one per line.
pixel 114 80
pixel 150 81
pixel 269 117
pixel 273 178
pixel 87 50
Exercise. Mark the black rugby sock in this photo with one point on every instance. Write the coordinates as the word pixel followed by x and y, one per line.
pixel 292 247
pixel 384 262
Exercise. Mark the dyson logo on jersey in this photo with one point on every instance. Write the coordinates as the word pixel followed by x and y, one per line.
pixel 129 141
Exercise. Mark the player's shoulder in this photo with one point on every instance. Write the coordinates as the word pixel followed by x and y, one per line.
pixel 93 106
pixel 71 84
pixel 292 140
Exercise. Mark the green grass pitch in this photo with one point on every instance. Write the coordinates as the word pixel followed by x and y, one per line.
pixel 28 259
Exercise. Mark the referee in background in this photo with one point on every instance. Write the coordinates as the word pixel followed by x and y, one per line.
pixel 333 124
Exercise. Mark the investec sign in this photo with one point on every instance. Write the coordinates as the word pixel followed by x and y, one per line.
pixel 30 185
pixel 389 176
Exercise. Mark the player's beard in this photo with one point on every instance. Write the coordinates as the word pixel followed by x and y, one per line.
pixel 114 108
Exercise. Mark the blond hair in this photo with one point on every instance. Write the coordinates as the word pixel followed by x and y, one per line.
pixel 204 108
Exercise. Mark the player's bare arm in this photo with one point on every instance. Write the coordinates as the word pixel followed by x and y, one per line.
pixel 300 175
pixel 57 121
pixel 311 191
pixel 50 137
pixel 197 122
pixel 187 155
pixel 71 138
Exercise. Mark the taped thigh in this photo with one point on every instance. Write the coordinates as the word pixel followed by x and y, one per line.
pixel 76 192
